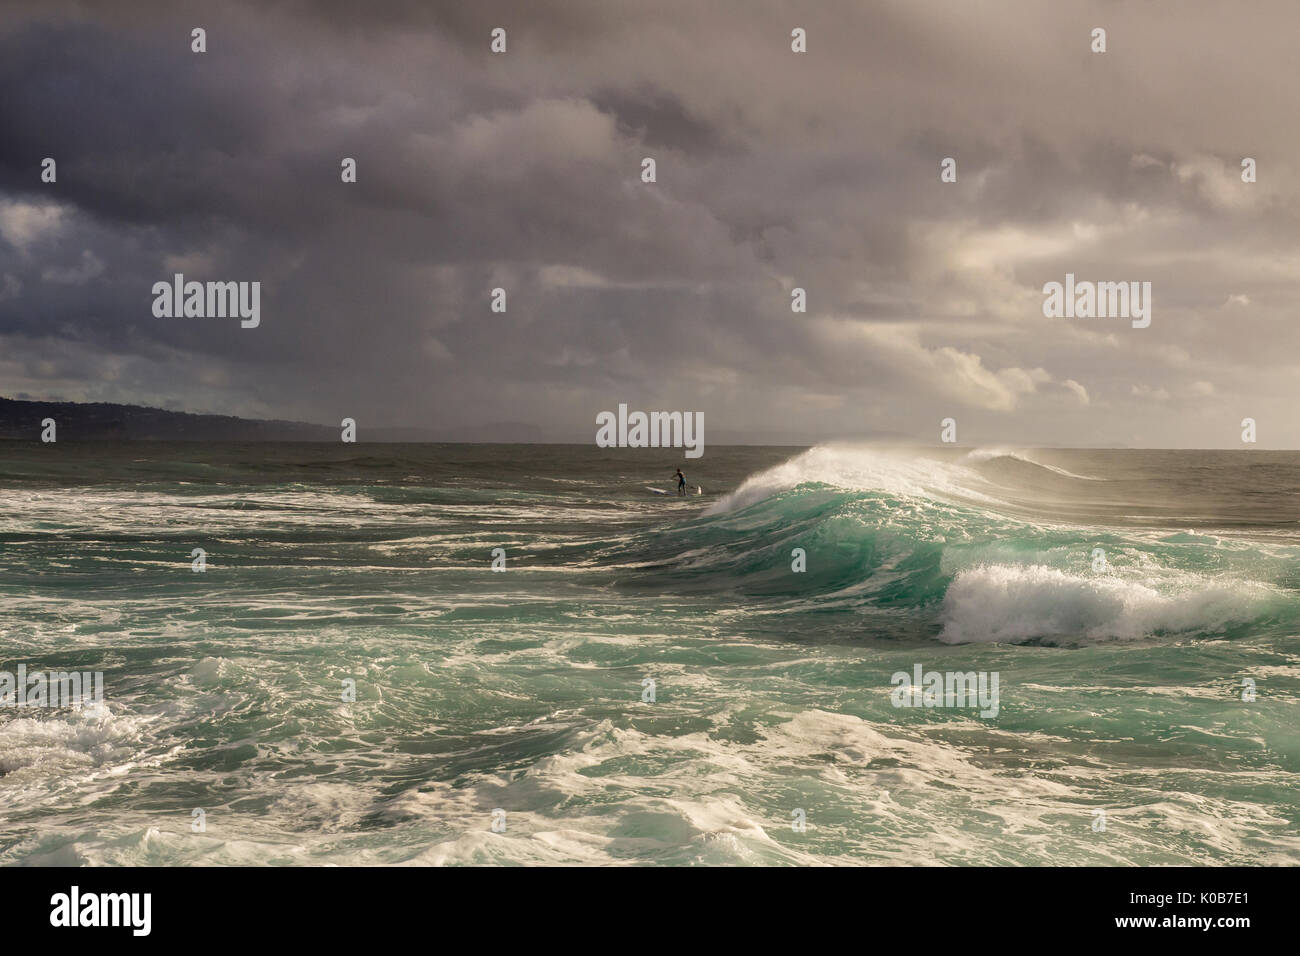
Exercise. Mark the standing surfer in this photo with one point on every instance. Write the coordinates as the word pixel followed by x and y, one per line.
pixel 681 483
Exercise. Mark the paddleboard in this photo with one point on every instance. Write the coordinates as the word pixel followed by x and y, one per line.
pixel 657 491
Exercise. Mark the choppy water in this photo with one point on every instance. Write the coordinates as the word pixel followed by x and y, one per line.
pixel 1120 689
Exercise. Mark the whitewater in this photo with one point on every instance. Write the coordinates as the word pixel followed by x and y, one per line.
pixel 1139 607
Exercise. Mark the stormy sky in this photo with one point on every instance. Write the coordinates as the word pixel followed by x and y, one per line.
pixel 775 170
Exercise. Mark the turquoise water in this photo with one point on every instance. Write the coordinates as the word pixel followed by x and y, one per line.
pixel 1120 682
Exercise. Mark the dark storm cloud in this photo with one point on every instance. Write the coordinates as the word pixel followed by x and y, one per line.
pixel 658 119
pixel 775 170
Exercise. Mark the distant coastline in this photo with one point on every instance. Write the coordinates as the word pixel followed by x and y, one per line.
pixel 104 421
pixel 108 421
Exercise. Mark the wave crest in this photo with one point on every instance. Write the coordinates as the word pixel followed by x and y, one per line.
pixel 1016 603
pixel 856 468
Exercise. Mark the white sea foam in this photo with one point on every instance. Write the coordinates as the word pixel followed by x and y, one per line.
pixel 890 470
pixel 80 743
pixel 858 468
pixel 1016 603
pixel 530 700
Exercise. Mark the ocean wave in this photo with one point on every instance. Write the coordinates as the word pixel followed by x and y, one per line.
pixel 999 555
pixel 1017 603
pixel 857 468
pixel 981 455
pixel 901 472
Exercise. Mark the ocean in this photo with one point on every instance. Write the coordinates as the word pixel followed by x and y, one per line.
pixel 650 679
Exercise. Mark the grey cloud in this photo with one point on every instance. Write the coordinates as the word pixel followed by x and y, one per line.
pixel 775 170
